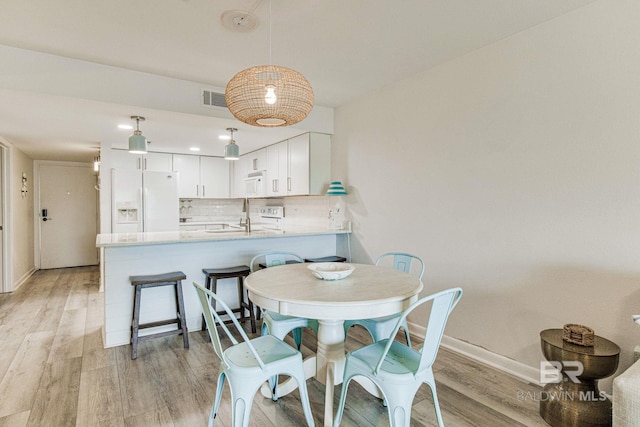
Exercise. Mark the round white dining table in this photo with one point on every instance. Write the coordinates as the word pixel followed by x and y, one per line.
pixel 370 291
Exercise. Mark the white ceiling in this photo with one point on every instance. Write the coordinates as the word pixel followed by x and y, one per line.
pixel 343 47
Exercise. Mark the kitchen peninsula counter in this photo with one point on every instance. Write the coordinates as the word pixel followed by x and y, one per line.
pixel 186 236
pixel 128 254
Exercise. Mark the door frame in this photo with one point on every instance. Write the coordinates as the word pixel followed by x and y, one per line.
pixel 37 240
pixel 5 214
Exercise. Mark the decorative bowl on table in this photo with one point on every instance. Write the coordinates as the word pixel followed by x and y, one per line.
pixel 331 270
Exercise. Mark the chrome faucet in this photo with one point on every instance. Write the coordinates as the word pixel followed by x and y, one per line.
pixel 245 211
pixel 246 224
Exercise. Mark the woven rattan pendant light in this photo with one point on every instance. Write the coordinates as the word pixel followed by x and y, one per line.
pixel 269 95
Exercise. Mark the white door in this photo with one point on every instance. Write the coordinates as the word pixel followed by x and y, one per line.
pixel 68 226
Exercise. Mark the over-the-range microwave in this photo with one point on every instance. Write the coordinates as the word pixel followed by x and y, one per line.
pixel 254 185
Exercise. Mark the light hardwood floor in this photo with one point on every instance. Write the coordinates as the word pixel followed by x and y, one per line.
pixel 54 372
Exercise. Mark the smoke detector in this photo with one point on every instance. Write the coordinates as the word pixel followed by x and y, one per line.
pixel 239 21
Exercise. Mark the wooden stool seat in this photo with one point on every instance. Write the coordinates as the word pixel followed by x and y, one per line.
pixel 212 275
pixel 151 281
pixel 331 258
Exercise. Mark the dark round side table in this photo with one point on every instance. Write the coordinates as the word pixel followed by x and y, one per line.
pixel 576 400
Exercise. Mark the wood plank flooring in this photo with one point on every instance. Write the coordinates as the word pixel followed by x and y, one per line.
pixel 55 372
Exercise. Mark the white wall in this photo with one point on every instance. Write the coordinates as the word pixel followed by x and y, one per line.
pixel 21 214
pixel 514 171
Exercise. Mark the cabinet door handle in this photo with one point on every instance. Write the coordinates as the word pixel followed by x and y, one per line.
pixel 138 163
pixel 203 191
pixel 197 190
pixel 289 184
pixel 255 164
pixel 145 163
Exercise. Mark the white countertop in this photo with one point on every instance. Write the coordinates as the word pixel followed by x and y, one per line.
pixel 167 237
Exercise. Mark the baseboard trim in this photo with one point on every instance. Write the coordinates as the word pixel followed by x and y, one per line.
pixel 24 278
pixel 512 367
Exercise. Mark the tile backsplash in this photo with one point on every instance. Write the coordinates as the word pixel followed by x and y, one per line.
pixel 311 211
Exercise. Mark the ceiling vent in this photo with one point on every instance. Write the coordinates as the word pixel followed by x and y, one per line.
pixel 213 99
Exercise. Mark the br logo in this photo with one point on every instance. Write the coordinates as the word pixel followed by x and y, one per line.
pixel 551 371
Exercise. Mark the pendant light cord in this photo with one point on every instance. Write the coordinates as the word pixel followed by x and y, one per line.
pixel 269 32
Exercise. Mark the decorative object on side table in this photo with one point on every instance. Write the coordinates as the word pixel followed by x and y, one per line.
pixel 578 334
pixel 573 398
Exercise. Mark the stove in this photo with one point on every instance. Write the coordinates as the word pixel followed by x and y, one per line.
pixel 272 217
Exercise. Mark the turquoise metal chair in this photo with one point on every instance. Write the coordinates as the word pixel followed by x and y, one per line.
pixel 399 370
pixel 275 323
pixel 278 324
pixel 380 327
pixel 249 363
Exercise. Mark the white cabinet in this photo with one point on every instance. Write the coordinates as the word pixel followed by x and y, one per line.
pixel 189 179
pixel 123 160
pixel 201 176
pixel 277 169
pixel 240 168
pixel 161 162
pixel 299 166
pixel 214 177
pixel 256 161
pixel 310 178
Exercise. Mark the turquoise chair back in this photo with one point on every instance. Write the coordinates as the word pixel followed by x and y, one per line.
pixel 442 305
pixel 272 259
pixel 213 319
pixel 402 261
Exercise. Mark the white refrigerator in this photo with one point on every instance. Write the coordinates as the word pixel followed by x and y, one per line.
pixel 144 201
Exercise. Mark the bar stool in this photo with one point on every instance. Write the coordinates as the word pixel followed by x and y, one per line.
pixel 167 279
pixel 331 258
pixel 212 275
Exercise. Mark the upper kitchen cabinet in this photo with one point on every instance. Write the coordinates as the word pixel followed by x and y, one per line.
pixel 123 160
pixel 256 161
pixel 201 176
pixel 299 166
pixel 240 168
pixel 189 178
pixel 277 176
pixel 214 177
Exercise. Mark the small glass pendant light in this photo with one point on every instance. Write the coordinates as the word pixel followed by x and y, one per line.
pixel 137 141
pixel 231 150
